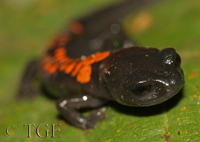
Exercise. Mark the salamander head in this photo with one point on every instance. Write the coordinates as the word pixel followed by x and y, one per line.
pixel 139 76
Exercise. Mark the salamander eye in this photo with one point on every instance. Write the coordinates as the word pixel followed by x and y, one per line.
pixel 170 57
pixel 142 90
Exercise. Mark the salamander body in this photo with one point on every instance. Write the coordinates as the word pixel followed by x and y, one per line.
pixel 84 67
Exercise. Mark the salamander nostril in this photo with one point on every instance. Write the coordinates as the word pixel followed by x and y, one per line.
pixel 143 90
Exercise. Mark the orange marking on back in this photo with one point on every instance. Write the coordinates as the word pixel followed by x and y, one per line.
pixel 100 56
pixel 51 68
pixel 89 60
pixel 60 58
pixel 70 67
pixel 59 41
pixel 60 50
pixel 77 69
pixel 63 67
pixel 81 69
pixel 63 39
pixel 76 28
pixel 66 64
pixel 85 69
pixel 60 55
pixel 47 66
pixel 84 75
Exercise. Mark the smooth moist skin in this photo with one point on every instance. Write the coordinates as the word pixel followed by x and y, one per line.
pixel 142 76
pixel 94 61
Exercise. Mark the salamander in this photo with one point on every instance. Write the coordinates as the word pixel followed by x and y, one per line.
pixel 93 62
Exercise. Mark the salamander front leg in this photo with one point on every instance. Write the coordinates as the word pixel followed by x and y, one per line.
pixel 68 108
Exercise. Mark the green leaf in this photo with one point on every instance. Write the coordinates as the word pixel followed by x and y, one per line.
pixel 26 27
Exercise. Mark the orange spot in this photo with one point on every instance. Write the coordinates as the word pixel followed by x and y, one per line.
pixel 60 58
pixel 67 62
pixel 51 68
pixel 77 69
pixel 100 56
pixel 60 55
pixel 89 60
pixel 76 28
pixel 60 41
pixel 63 39
pixel 178 119
pixel 60 50
pixel 63 67
pixel 70 67
pixel 84 74
pixel 193 75
pixel 82 70
pixel 47 66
